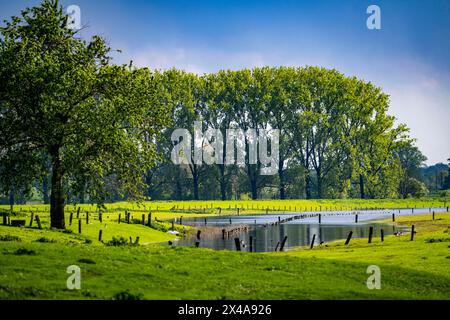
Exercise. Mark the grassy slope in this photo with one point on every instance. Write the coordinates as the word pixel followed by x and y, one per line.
pixel 412 270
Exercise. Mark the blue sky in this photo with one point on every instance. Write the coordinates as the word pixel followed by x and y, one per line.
pixel 409 57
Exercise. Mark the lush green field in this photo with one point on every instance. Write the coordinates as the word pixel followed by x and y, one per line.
pixel 33 264
pixel 170 209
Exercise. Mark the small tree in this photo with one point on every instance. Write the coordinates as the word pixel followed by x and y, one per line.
pixel 62 101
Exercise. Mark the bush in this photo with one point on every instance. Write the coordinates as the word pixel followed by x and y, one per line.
pixel 117 242
pixel 126 295
pixel 45 240
pixel 87 261
pixel 9 238
pixel 445 193
pixel 24 251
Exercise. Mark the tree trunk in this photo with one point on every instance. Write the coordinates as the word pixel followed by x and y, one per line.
pixel 82 196
pixel 254 189
pixel 361 186
pixel 11 200
pixel 319 183
pixel 178 192
pixel 45 190
pixel 308 185
pixel 281 177
pixel 57 195
pixel 195 180
pixel 223 182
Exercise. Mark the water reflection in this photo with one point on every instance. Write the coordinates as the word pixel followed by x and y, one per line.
pixel 300 229
pixel 266 238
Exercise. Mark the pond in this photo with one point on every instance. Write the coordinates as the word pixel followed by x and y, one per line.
pixel 268 230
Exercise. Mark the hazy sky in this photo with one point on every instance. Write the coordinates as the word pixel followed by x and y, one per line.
pixel 409 57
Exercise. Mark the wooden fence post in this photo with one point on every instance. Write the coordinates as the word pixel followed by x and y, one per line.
pixel 251 244
pixel 87 217
pixel 356 218
pixel 100 217
pixel 31 220
pixel 320 218
pixel 238 244
pixel 393 217
pixel 370 234
pixel 283 243
pixel 149 218
pixel 412 232
pixel 79 226
pixel 70 218
pixel 382 235
pixel 143 219
pixel 312 241
pixel 5 221
pixel 349 237
pixel 433 215
pixel 118 221
pixel 197 243
pixel 100 232
pixel 78 212
pixel 223 234
pixel 38 220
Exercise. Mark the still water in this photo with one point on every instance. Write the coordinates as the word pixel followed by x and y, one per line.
pixel 299 228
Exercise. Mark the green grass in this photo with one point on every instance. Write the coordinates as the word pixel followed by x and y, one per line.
pixel 31 269
pixel 166 210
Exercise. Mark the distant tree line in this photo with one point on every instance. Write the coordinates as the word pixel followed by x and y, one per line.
pixel 337 139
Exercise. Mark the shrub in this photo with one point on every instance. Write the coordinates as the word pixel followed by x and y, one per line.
pixel 117 242
pixel 45 240
pixel 24 251
pixel 126 295
pixel 87 261
pixel 9 238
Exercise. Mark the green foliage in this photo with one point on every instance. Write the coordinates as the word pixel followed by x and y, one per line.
pixel 336 138
pixel 8 237
pixel 62 103
pixel 24 251
pixel 413 188
pixel 45 240
pixel 86 260
pixel 126 295
pixel 118 241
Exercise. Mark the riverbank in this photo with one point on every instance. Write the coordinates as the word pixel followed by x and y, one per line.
pixel 33 265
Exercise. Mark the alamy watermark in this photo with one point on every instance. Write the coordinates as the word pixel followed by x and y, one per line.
pixel 374 280
pixel 373 22
pixel 74 280
pixel 249 145
pixel 74 13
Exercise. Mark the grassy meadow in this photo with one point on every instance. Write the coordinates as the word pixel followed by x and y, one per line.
pixel 33 261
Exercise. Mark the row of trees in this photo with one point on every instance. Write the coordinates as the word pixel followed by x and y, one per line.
pixel 336 137
pixel 84 128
